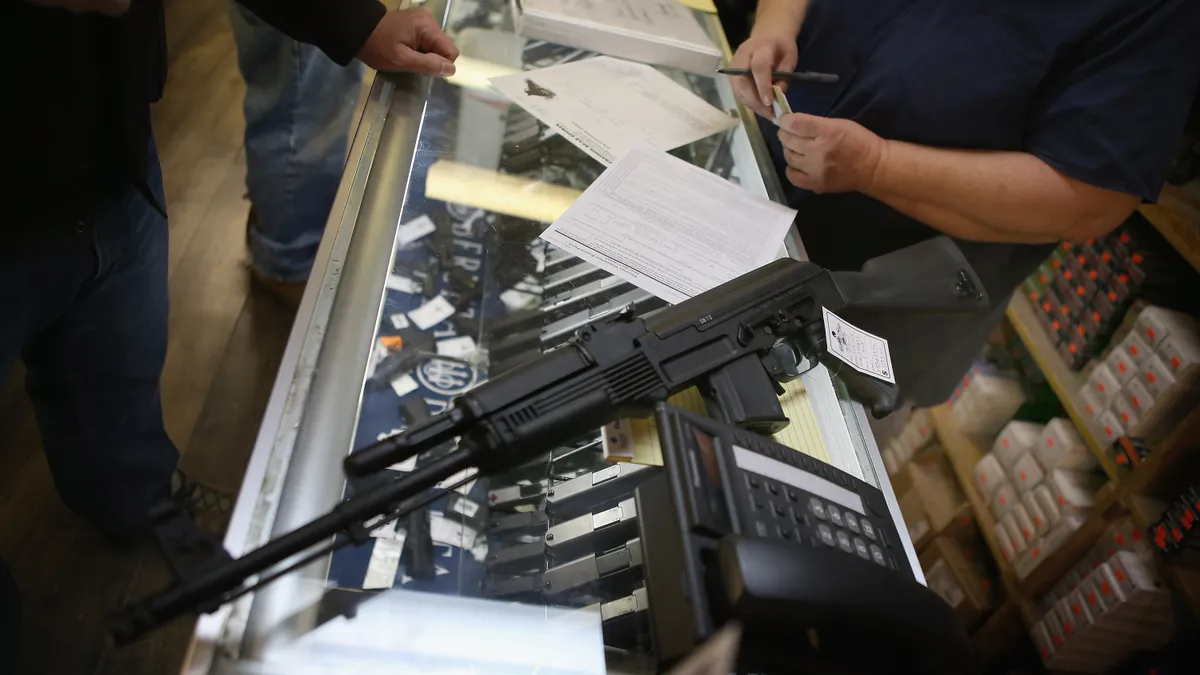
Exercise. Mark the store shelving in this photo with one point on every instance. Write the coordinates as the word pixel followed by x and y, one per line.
pixel 1065 382
pixel 964 452
pixel 1181 230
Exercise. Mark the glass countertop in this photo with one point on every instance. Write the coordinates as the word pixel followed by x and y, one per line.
pixel 472 292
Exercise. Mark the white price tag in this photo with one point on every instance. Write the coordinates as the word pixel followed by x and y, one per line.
pixel 414 230
pixel 399 321
pixel 404 385
pixel 457 347
pixel 528 286
pixel 466 507
pixel 516 300
pixel 431 313
pixel 399 282
pixel 866 353
pixel 445 531
pixel 385 560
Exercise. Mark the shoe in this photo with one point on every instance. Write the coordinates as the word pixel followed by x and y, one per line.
pixel 209 507
pixel 286 293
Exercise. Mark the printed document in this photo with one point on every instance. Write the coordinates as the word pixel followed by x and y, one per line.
pixel 607 106
pixel 670 228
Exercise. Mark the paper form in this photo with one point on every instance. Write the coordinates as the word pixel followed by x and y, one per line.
pixel 607 106
pixel 670 228
pixel 636 440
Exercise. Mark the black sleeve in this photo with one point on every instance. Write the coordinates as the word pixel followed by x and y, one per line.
pixel 338 27
pixel 1112 114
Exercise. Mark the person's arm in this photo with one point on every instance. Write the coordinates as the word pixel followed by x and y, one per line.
pixel 980 195
pixel 407 40
pixel 994 196
pixel 771 46
pixel 1098 139
pixel 338 27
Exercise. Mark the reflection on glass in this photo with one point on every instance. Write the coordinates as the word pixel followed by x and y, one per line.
pixel 496 192
pixel 473 73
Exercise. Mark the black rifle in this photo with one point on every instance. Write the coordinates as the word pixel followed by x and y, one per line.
pixel 727 341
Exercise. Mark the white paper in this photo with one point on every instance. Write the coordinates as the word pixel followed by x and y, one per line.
pixel 404 385
pixel 385 560
pixel 466 507
pixel 413 230
pixel 431 313
pixel 866 353
pixel 399 282
pixel 407 465
pixel 607 106
pixel 517 300
pixel 399 321
pixel 445 531
pixel 670 228
pixel 457 347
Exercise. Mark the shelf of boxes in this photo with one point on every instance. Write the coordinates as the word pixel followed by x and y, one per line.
pixel 963 454
pixel 1065 383
pixel 1034 564
pixel 1099 584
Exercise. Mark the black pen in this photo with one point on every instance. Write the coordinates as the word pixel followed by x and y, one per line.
pixel 803 76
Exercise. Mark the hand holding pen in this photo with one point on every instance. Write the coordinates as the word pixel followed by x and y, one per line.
pixel 762 55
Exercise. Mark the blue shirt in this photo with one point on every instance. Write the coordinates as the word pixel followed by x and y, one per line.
pixel 1098 89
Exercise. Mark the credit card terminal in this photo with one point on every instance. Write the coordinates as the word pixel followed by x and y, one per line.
pixel 804 555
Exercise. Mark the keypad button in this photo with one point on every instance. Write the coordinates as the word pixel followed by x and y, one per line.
pixel 752 482
pixel 860 547
pixel 759 504
pixel 852 522
pixel 843 541
pixel 817 508
pixel 877 555
pixel 792 495
pixel 773 487
pixel 798 515
pixel 785 532
pixel 835 515
pixel 867 528
pixel 825 534
pixel 778 510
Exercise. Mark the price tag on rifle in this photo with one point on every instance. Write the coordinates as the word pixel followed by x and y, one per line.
pixel 866 353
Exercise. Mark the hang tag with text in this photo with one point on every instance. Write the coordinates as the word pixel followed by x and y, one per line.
pixel 866 353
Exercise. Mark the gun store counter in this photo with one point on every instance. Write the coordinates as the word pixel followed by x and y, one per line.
pixel 432 279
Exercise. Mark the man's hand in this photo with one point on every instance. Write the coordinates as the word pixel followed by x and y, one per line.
pixel 410 41
pixel 106 7
pixel 829 155
pixel 762 53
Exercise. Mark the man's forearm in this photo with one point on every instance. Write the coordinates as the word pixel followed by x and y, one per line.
pixel 779 17
pixel 993 195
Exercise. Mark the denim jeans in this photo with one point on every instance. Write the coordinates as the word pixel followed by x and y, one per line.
pixel 88 316
pixel 298 111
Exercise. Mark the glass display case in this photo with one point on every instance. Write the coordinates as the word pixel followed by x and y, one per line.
pixel 432 278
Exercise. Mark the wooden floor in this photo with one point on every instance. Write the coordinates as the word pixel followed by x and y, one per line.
pixel 225 344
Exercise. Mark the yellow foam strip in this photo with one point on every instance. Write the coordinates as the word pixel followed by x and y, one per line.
pixel 641 435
